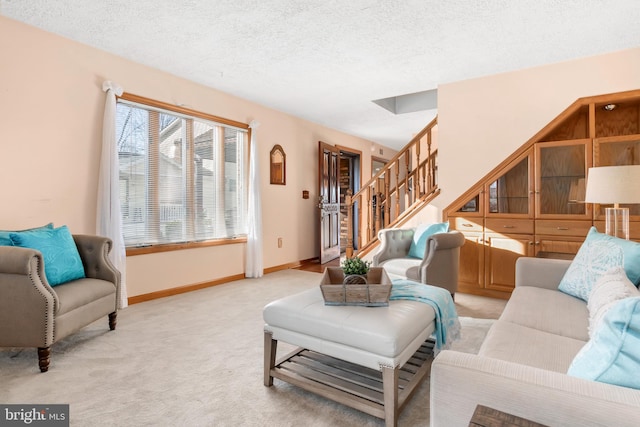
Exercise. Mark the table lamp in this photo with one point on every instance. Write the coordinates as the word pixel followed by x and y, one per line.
pixel 614 185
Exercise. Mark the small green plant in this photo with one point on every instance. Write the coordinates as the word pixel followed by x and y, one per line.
pixel 355 266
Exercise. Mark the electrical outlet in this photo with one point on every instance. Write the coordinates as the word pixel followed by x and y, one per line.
pixel 279 242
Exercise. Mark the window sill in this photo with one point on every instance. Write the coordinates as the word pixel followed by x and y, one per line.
pixel 168 247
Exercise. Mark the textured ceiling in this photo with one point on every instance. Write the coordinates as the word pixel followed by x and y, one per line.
pixel 327 60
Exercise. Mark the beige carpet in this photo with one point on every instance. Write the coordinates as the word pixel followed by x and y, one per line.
pixel 193 360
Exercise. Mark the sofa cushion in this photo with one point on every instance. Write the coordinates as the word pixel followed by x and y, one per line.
pixel 79 293
pixel 613 354
pixel 598 254
pixel 420 236
pixel 612 286
pixel 527 346
pixel 62 261
pixel 549 311
pixel 5 240
pixel 406 267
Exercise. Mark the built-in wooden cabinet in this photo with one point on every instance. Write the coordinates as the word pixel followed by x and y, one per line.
pixel 532 204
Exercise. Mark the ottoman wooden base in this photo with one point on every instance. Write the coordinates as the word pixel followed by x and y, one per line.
pixel 379 393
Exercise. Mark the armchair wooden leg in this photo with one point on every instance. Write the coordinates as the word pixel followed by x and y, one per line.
pixel 112 320
pixel 43 358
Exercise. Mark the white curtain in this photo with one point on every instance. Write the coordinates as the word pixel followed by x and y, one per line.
pixel 254 266
pixel 109 218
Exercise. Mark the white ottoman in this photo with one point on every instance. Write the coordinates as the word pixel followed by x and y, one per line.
pixel 369 358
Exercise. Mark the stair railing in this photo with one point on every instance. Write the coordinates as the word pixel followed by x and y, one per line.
pixel 405 184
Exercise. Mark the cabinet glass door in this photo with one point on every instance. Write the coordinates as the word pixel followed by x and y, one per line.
pixel 509 192
pixel 561 179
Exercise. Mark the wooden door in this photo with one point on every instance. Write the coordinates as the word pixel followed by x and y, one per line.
pixel 329 202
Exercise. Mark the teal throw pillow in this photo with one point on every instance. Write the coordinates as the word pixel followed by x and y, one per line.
pixel 420 236
pixel 5 240
pixel 62 261
pixel 613 354
pixel 597 255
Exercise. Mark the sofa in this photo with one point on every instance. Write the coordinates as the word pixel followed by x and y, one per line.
pixel 434 259
pixel 522 366
pixel 33 313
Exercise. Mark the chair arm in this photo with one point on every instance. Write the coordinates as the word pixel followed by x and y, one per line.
pixel 27 302
pixel 94 252
pixel 440 264
pixel 394 243
pixel 540 272
pixel 460 381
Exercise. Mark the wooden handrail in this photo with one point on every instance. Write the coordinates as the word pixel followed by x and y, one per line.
pixel 404 184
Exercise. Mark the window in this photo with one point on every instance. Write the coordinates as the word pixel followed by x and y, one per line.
pixel 183 174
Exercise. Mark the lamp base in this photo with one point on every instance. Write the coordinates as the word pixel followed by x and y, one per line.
pixel 617 224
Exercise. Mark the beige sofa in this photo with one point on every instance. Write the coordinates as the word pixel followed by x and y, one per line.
pixel 522 364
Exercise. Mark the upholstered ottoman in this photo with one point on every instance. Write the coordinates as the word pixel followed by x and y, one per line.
pixel 369 358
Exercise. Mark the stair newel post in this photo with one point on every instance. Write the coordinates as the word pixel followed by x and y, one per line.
pixel 387 198
pixel 407 189
pixel 369 209
pixel 429 163
pixel 378 207
pixel 397 167
pixel 416 182
pixel 349 202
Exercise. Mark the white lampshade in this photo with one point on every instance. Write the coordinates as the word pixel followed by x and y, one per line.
pixel 613 184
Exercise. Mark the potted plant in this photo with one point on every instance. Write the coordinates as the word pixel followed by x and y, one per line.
pixel 355 270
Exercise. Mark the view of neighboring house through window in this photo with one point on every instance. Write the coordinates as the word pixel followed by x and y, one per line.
pixel 182 178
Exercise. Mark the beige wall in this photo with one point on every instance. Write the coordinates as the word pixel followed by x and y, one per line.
pixel 51 107
pixel 482 121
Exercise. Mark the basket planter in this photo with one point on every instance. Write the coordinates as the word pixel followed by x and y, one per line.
pixel 374 293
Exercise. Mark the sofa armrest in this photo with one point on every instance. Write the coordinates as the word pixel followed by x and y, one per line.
pixel 27 302
pixel 394 243
pixel 460 381
pixel 441 260
pixel 540 272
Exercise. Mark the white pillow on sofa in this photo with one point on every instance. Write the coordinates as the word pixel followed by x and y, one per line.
pixel 611 287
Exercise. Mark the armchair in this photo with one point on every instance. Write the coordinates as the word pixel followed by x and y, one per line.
pixel 34 314
pixel 438 267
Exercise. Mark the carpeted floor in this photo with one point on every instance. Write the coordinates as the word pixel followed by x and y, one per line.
pixel 196 359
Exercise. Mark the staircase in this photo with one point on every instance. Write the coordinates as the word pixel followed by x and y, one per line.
pixel 408 182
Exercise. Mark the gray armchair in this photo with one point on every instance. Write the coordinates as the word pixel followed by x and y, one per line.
pixel 438 267
pixel 34 314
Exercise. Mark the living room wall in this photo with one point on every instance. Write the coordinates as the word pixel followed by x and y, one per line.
pixel 51 106
pixel 488 118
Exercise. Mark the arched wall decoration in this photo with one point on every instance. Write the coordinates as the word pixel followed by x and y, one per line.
pixel 278 165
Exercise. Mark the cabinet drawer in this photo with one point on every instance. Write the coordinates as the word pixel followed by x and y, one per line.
pixel 518 226
pixel 634 228
pixel 563 228
pixel 466 224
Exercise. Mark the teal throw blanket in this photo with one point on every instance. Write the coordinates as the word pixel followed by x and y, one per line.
pixel 447 323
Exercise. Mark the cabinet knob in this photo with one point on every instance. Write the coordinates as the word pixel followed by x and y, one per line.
pixel 530 243
pixel 508 226
pixel 563 228
pixel 537 243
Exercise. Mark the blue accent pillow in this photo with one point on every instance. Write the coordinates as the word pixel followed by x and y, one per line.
pixel 62 261
pixel 613 354
pixel 420 236
pixel 5 240
pixel 597 255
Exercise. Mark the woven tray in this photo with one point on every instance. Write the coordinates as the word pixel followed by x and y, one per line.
pixel 375 293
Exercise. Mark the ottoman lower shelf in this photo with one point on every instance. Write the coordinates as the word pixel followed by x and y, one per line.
pixel 359 387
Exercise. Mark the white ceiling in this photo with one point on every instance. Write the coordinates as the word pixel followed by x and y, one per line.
pixel 327 60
